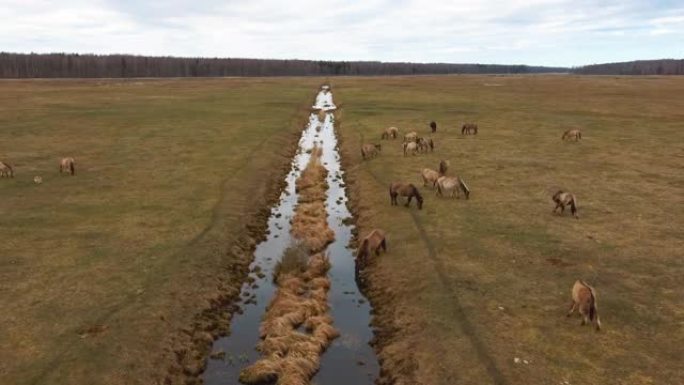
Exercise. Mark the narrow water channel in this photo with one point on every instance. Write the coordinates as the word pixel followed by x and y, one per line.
pixel 350 359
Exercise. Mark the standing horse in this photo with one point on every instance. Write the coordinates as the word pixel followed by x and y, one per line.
pixel 433 126
pixel 6 170
pixel 452 184
pixel 422 144
pixel 584 300
pixel 370 150
pixel 406 190
pixel 390 132
pixel 431 176
pixel 573 133
pixel 563 199
pixel 411 147
pixel 374 241
pixel 469 128
pixel 67 165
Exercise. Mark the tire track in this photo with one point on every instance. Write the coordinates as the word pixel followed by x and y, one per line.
pixel 457 309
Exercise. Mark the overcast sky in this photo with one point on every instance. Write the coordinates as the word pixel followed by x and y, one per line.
pixel 538 32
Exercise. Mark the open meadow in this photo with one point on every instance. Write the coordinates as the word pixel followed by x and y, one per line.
pixel 103 274
pixel 100 270
pixel 476 291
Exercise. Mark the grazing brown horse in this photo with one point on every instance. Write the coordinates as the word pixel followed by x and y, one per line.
pixel 67 165
pixel 370 150
pixel 411 147
pixel 584 300
pixel 422 144
pixel 563 199
pixel 469 128
pixel 390 132
pixel 431 176
pixel 572 133
pixel 433 126
pixel 406 190
pixel 410 137
pixel 374 241
pixel 446 184
pixel 6 170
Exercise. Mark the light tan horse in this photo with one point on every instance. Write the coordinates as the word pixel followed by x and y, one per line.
pixel 431 176
pixel 410 147
pixel 373 242
pixel 452 184
pixel 67 165
pixel 370 150
pixel 469 128
pixel 572 133
pixel 563 199
pixel 406 190
pixel 410 137
pixel 6 170
pixel 584 300
pixel 390 132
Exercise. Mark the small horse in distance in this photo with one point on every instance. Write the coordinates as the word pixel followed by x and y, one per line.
pixel 584 300
pixel 67 165
pixel 373 242
pixel 406 190
pixel 563 199
pixel 572 133
pixel 433 126
pixel 431 176
pixel 469 128
pixel 446 184
pixel 370 150
pixel 390 132
pixel 6 170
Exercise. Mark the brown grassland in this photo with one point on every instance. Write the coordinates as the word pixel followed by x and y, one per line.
pixel 99 272
pixel 468 286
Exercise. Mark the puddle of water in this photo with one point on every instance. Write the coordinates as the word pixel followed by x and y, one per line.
pixel 350 359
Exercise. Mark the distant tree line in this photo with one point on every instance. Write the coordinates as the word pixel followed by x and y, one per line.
pixel 640 67
pixel 13 65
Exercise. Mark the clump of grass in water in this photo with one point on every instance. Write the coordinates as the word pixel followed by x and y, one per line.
pixel 294 261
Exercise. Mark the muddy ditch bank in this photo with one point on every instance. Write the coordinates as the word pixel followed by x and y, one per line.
pixel 393 349
pixel 188 350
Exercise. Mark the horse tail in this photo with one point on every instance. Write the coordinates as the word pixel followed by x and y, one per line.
pixel 71 168
pixel 573 205
pixel 464 187
pixel 579 134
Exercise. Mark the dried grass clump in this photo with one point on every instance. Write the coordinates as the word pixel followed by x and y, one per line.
pixel 290 356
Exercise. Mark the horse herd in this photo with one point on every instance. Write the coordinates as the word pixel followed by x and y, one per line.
pixel 583 295
pixel 67 165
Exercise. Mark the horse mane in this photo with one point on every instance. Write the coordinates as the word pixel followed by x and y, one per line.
pixel 363 250
pixel 556 195
pixel 573 204
pixel 466 190
pixel 71 167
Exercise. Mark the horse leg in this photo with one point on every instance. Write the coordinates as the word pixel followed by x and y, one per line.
pixel 573 306
pixel 408 201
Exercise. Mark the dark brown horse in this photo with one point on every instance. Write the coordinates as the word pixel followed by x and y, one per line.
pixel 374 241
pixel 406 190
pixel 469 128
pixel 6 170
pixel 563 199
pixel 433 126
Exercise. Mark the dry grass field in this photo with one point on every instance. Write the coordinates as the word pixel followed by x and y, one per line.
pixel 99 270
pixel 469 286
